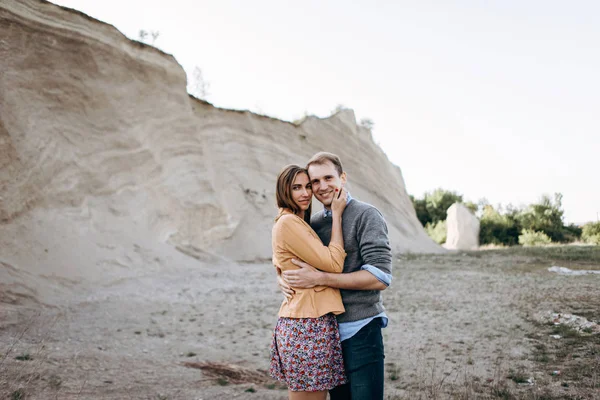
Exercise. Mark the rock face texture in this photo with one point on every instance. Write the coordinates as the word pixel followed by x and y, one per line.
pixel 462 228
pixel 102 150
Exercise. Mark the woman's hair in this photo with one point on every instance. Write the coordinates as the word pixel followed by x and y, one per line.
pixel 283 194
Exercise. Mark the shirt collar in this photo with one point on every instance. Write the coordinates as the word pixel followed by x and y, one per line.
pixel 327 213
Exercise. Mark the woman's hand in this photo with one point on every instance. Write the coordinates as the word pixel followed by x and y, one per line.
pixel 340 198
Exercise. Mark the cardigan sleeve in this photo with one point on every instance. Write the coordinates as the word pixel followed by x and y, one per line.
pixel 373 241
pixel 297 238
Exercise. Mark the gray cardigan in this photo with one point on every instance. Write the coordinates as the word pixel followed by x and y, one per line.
pixel 366 242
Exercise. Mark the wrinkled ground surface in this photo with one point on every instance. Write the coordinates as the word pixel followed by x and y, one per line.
pixel 461 326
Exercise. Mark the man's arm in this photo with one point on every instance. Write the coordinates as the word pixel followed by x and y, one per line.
pixel 374 244
pixel 308 276
pixel 375 251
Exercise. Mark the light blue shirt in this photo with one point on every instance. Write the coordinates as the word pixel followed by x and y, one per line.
pixel 327 212
pixel 349 329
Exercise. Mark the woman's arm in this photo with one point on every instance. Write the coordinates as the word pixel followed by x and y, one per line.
pixel 337 209
pixel 297 238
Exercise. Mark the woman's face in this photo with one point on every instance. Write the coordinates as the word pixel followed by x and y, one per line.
pixel 302 191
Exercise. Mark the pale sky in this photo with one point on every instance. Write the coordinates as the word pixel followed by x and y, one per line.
pixel 496 99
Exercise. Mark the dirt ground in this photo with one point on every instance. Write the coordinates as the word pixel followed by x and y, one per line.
pixel 462 325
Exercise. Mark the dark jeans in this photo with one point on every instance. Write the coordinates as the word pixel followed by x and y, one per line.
pixel 363 360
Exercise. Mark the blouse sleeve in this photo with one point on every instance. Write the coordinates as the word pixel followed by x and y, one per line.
pixel 300 240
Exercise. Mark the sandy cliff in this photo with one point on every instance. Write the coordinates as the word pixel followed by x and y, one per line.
pixel 106 163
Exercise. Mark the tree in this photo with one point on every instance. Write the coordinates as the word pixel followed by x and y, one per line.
pixel 438 202
pixel 367 123
pixel 142 34
pixel 433 207
pixel 471 206
pixel 545 216
pixel 338 108
pixel 572 232
pixel 421 209
pixel 154 35
pixel 497 228
pixel 437 231
pixel 197 86
pixel 591 233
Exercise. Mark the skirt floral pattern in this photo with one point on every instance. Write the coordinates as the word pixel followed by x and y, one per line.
pixel 306 353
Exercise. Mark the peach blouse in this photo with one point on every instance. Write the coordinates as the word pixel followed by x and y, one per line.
pixel 294 238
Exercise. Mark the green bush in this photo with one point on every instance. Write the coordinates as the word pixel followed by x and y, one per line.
pixel 434 205
pixel 572 233
pixel 593 239
pixel 591 233
pixel 496 228
pixel 439 201
pixel 421 209
pixel 530 237
pixel 504 226
pixel 545 216
pixel 437 231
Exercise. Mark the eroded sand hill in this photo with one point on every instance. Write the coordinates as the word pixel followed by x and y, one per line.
pixel 103 153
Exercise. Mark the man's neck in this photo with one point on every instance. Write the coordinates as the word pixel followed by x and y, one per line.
pixel 328 208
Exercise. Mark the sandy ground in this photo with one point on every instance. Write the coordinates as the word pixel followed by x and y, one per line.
pixel 461 325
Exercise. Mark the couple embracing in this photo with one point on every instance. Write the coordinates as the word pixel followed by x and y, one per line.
pixel 332 268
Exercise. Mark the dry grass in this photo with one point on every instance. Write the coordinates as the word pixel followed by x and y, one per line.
pixel 231 373
pixel 565 254
pixel 19 372
pixel 521 274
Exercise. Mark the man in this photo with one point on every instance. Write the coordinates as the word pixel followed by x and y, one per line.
pixel 367 271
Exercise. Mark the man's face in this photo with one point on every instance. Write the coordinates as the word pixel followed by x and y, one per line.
pixel 325 179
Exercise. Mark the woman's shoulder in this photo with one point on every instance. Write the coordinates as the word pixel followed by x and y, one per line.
pixel 288 219
pixel 291 223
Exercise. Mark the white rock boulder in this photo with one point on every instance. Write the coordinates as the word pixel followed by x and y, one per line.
pixel 462 228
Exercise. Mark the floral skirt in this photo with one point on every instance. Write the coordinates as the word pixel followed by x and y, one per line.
pixel 306 353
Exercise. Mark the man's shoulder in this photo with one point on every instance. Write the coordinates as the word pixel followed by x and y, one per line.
pixel 359 205
pixel 354 209
pixel 359 208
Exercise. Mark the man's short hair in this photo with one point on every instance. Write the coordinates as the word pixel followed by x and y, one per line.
pixel 323 157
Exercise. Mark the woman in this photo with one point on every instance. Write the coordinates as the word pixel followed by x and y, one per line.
pixel 306 351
